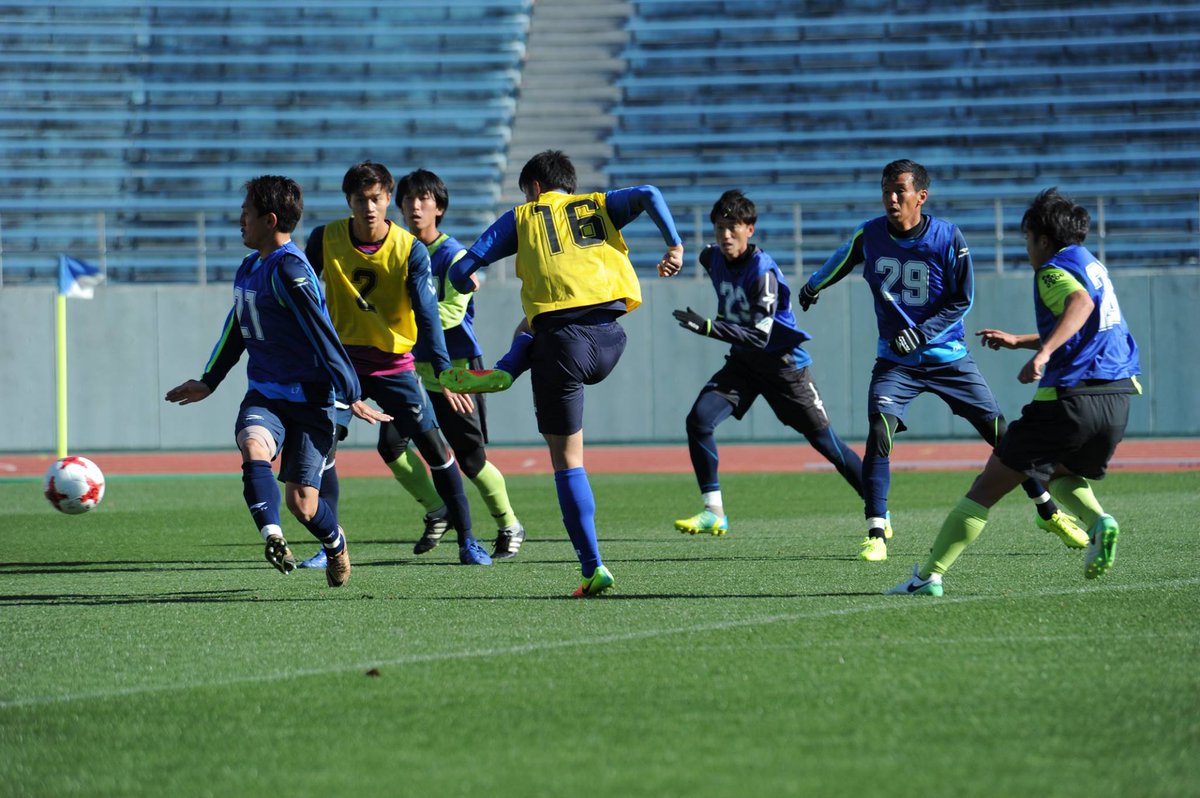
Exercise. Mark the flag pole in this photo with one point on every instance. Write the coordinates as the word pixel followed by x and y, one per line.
pixel 60 369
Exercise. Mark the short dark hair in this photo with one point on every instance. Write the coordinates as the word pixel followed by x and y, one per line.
pixel 279 195
pixel 551 168
pixel 366 174
pixel 734 206
pixel 423 181
pixel 896 168
pixel 1055 215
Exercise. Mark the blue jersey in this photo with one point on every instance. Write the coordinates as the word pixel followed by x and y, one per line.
pixel 1103 349
pixel 279 319
pixel 460 339
pixel 925 281
pixel 754 306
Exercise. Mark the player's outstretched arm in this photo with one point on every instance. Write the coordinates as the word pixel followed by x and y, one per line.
pixel 998 339
pixel 189 392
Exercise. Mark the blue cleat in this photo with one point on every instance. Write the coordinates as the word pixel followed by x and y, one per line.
pixel 318 560
pixel 473 554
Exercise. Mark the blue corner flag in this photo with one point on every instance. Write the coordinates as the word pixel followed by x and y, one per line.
pixel 76 278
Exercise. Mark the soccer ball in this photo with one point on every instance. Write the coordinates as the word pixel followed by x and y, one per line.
pixel 74 485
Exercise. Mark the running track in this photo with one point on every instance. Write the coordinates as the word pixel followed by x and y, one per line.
pixel 1139 454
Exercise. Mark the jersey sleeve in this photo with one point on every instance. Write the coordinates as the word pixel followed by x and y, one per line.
pixel 424 295
pixel 452 307
pixel 314 249
pixel 1054 285
pixel 841 263
pixel 294 285
pixel 226 353
pixel 626 204
pixel 498 241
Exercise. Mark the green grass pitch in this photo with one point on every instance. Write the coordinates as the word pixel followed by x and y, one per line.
pixel 148 649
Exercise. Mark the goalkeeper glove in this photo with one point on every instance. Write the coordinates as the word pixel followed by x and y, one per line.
pixel 691 320
pixel 907 341
pixel 806 297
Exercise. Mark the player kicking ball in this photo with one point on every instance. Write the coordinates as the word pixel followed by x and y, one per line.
pixel 1086 365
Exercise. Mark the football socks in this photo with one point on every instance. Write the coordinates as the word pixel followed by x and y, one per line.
pixel 490 483
pixel 1075 494
pixel 579 516
pixel 962 525
pixel 409 471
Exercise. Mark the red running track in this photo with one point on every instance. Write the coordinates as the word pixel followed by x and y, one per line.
pixel 1139 454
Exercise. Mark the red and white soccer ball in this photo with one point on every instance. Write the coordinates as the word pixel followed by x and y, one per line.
pixel 74 485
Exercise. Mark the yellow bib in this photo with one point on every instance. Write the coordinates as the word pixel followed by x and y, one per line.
pixel 571 255
pixel 367 295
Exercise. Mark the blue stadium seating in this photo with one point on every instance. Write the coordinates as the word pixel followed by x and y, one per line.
pixel 802 110
pixel 138 116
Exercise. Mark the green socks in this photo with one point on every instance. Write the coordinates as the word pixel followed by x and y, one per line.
pixel 962 526
pixel 1075 494
pixel 490 483
pixel 409 471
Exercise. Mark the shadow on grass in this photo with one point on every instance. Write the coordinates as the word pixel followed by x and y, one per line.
pixel 102 600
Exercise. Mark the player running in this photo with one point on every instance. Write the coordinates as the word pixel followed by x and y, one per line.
pixel 1086 362
pixel 921 277
pixel 766 357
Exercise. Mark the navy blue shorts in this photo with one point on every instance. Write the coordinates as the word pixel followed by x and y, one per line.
pixel 1080 431
pixel 562 360
pixel 958 383
pixel 403 397
pixel 303 433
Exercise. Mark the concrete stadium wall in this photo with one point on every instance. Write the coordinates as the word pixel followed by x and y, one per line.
pixel 131 343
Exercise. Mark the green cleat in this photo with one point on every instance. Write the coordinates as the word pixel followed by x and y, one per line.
pixel 873 549
pixel 704 521
pixel 600 581
pixel 461 380
pixel 1064 526
pixel 916 586
pixel 1102 547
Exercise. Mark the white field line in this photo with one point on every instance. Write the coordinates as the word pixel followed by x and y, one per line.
pixel 892 603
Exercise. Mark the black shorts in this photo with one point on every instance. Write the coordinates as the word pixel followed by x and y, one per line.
pixel 1080 432
pixel 789 391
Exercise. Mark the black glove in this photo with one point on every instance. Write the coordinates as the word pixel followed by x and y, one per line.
pixel 806 297
pixel 909 340
pixel 691 320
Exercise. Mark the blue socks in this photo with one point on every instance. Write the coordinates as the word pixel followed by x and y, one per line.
pixel 516 359
pixel 261 492
pixel 579 516
pixel 324 527
pixel 447 479
pixel 877 480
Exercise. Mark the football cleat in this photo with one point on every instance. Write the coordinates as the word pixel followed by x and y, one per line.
pixel 873 549
pixel 471 553
pixel 508 542
pixel 318 560
pixel 704 521
pixel 434 529
pixel 1102 547
pixel 1065 528
pixel 916 586
pixel 337 571
pixel 279 555
pixel 600 581
pixel 887 525
pixel 461 380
